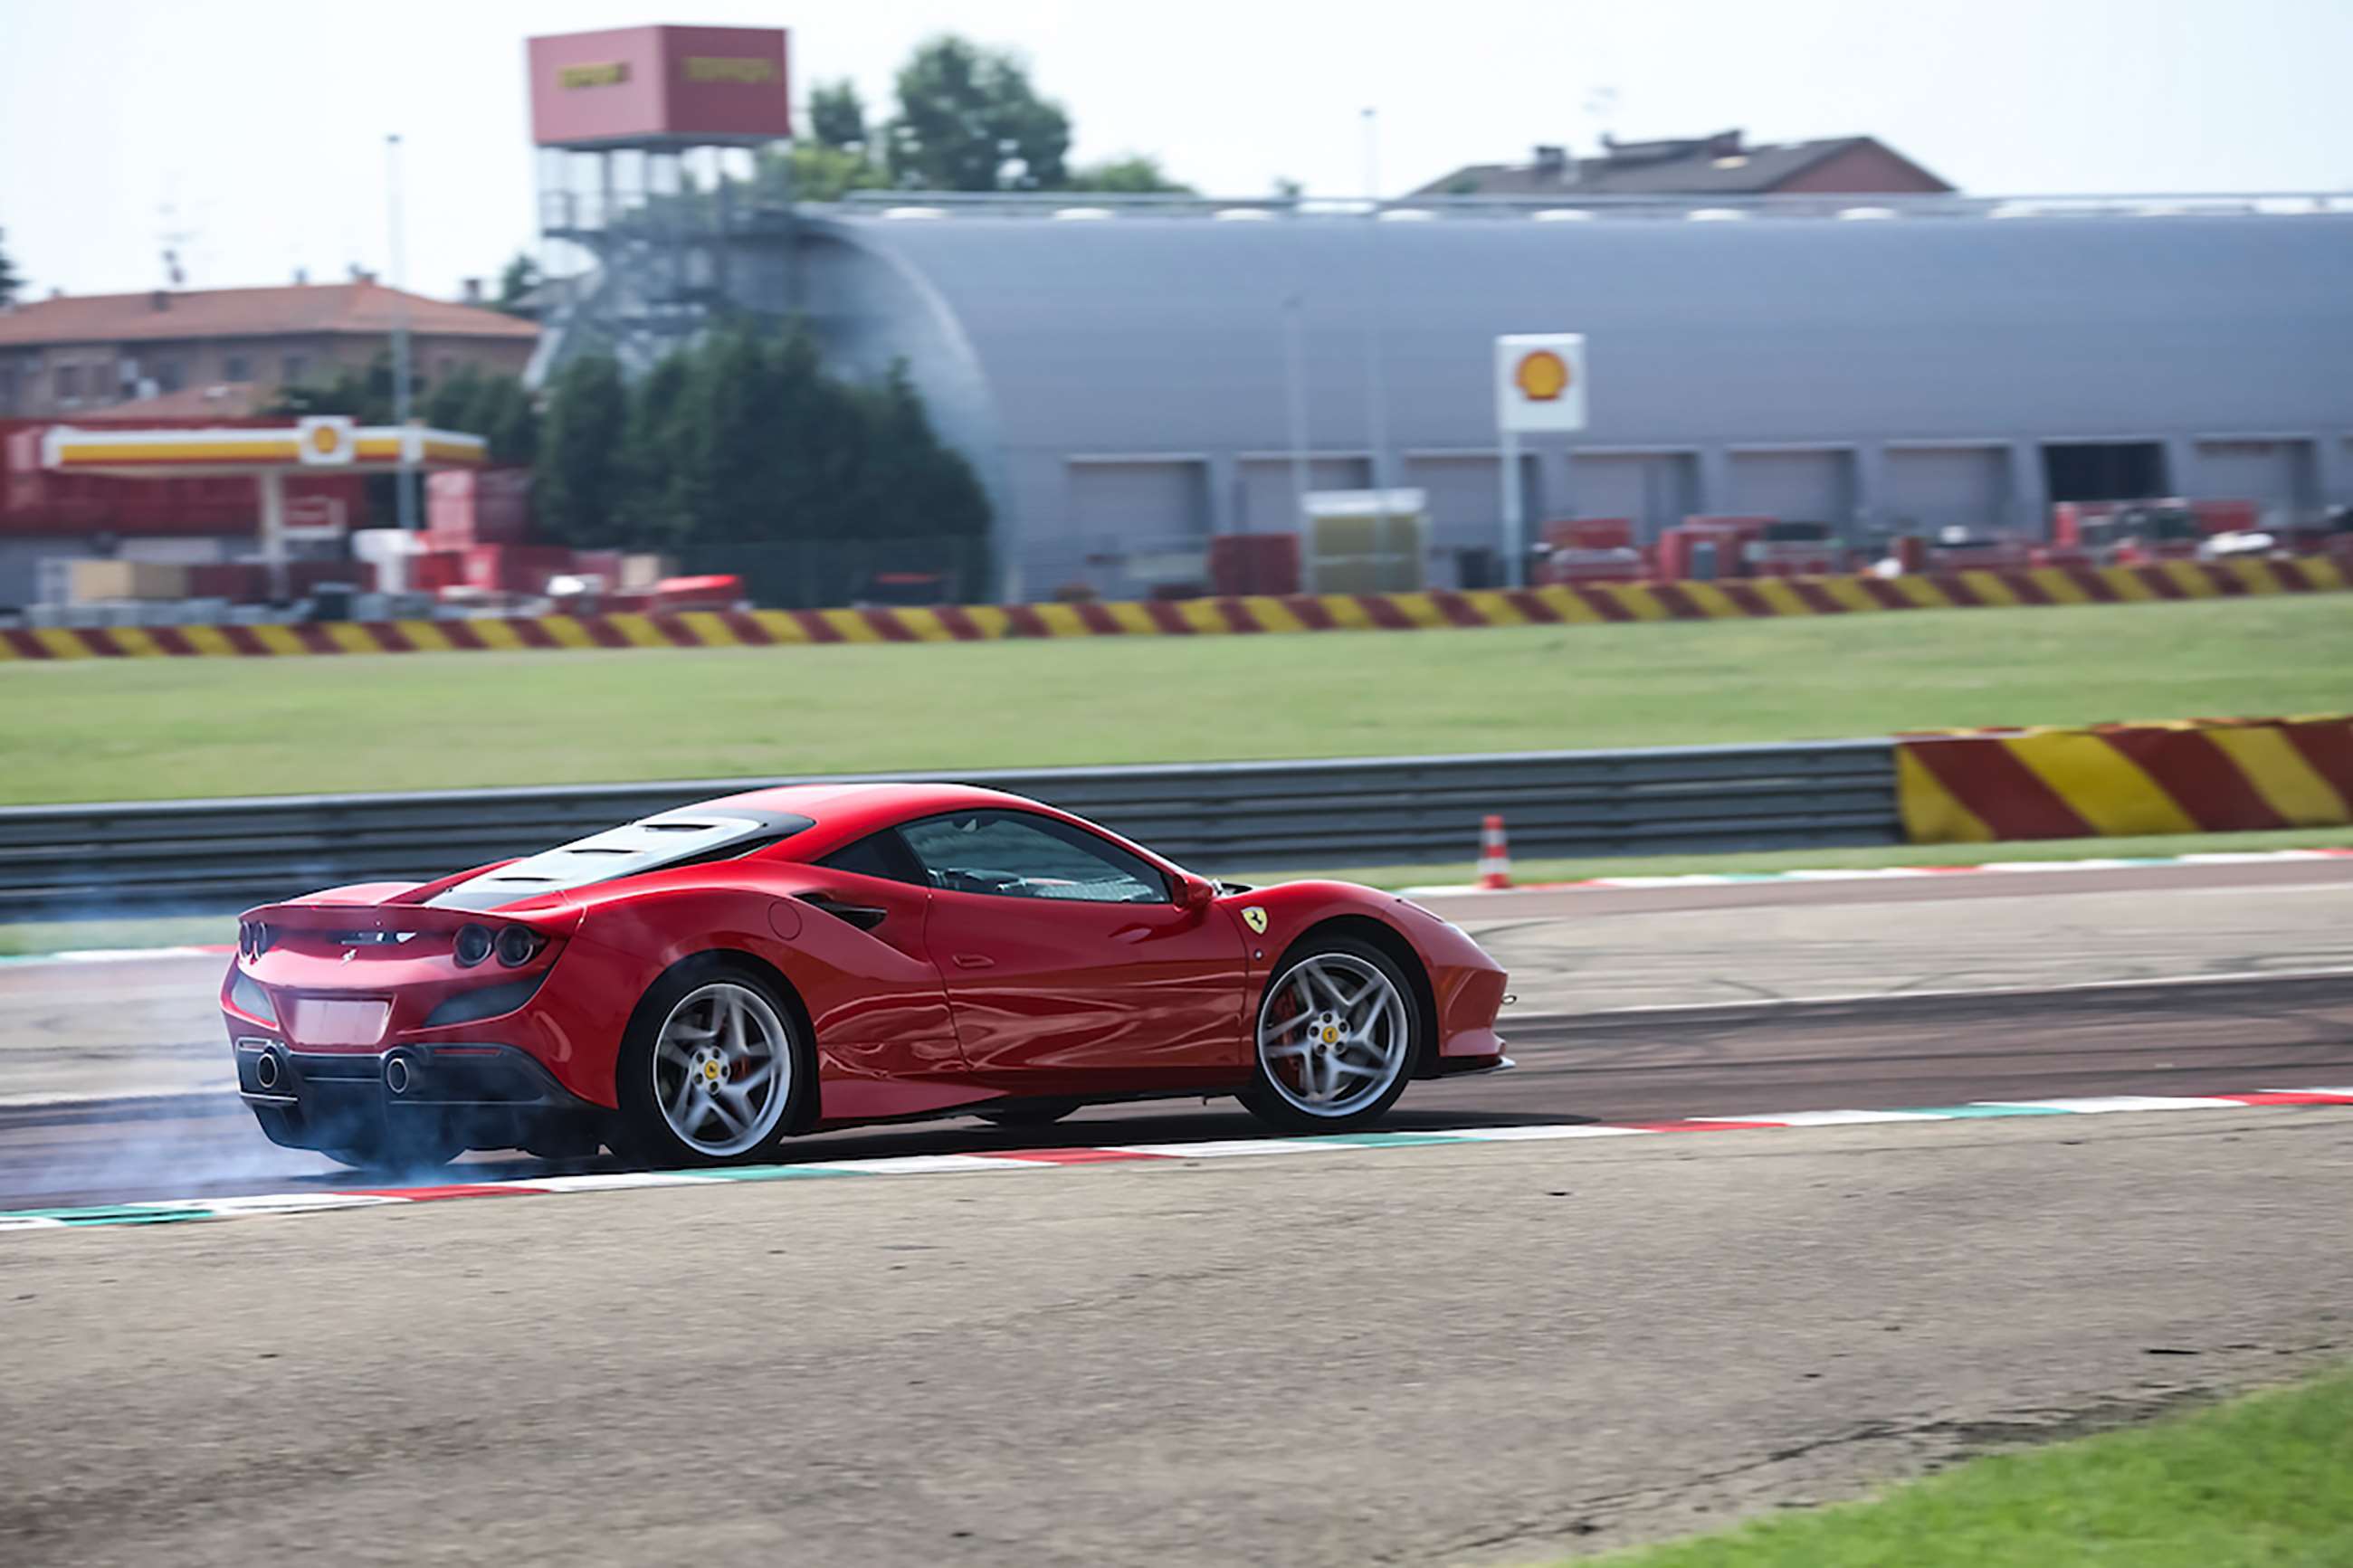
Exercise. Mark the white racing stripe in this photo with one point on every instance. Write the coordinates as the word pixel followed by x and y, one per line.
pixel 1829 1118
pixel 615 1182
pixel 1542 1134
pixel 2093 1105
pixel 1227 1148
pixel 919 1165
pixel 1867 873
pixel 279 1203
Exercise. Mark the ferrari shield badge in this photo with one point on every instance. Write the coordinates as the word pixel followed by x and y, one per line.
pixel 1255 918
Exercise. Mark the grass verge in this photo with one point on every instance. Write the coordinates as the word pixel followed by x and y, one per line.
pixel 2262 1482
pixel 1572 868
pixel 30 937
pixel 132 729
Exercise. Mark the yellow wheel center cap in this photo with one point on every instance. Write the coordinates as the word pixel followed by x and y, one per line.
pixel 711 1071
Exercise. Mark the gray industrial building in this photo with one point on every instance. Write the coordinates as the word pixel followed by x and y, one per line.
pixel 1133 378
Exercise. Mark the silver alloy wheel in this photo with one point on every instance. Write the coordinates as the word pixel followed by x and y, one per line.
pixel 1333 1035
pixel 722 1066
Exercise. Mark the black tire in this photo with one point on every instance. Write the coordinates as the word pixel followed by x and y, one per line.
pixel 642 1134
pixel 405 1141
pixel 1029 1112
pixel 1279 1107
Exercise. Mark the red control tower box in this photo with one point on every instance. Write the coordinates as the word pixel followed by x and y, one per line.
pixel 635 86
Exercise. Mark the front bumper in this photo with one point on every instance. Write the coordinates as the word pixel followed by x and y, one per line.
pixel 483 1096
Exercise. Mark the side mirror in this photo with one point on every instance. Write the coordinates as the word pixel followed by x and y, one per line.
pixel 1196 894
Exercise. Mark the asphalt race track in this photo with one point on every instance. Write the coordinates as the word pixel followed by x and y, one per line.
pixel 1631 1006
pixel 1491 1352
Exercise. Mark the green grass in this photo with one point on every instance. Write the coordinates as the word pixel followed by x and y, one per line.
pixel 1574 868
pixel 155 930
pixel 2262 1482
pixel 91 729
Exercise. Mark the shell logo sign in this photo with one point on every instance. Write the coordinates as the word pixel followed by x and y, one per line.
pixel 327 440
pixel 1540 381
pixel 1543 375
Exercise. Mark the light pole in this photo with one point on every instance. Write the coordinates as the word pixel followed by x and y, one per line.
pixel 1376 395
pixel 1295 366
pixel 404 481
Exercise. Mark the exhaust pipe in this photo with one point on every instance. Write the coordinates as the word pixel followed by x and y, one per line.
pixel 396 1075
pixel 265 1070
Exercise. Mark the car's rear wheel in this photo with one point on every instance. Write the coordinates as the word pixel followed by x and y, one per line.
pixel 713 1069
pixel 1337 1033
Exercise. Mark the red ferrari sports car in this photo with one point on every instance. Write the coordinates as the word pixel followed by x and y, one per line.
pixel 694 987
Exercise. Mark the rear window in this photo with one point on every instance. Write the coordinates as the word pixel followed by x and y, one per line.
pixel 653 844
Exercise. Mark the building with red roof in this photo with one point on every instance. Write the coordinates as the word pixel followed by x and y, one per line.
pixel 74 355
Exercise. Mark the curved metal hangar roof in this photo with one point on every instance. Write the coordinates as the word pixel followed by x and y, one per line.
pixel 1047 344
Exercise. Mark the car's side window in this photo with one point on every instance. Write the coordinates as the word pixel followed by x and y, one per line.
pixel 1016 854
pixel 877 855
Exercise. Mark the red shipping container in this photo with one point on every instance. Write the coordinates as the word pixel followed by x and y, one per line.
pixel 238 582
pixel 1253 563
pixel 1590 533
pixel 491 506
pixel 515 568
pixel 2226 516
pixel 432 570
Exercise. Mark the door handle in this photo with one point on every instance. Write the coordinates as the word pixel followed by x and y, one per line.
pixel 975 960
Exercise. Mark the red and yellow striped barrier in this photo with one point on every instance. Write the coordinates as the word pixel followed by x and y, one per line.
pixel 2197 775
pixel 1594 605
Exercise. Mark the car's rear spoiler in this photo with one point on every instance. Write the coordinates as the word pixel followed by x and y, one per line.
pixel 557 920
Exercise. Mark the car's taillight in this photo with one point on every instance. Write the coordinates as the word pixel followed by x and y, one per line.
pixel 472 946
pixel 516 946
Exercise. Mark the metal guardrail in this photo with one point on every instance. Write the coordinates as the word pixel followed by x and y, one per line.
pixel 70 861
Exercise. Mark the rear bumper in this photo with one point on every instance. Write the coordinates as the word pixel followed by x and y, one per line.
pixel 485 1096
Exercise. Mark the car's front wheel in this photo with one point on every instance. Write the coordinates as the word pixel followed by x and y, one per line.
pixel 1337 1032
pixel 713 1068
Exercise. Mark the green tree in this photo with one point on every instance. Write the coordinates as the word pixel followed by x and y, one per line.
pixel 746 438
pixel 363 393
pixel 11 281
pixel 649 451
pixel 825 173
pixel 969 120
pixel 515 284
pixel 449 405
pixel 837 114
pixel 921 486
pixel 1134 175
pixel 495 408
pixel 580 467
pixel 504 416
pixel 727 458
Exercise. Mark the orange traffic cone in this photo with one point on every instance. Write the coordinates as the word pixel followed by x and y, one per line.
pixel 1494 854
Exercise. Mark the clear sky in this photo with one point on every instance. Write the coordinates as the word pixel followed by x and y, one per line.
pixel 255 128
